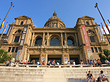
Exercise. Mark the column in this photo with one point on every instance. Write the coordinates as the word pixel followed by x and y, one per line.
pixel 61 39
pixel 43 39
pixel 97 35
pixel 48 39
pixel 76 43
pixel 32 39
pixel 65 39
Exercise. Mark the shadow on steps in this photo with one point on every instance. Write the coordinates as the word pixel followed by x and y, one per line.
pixel 77 80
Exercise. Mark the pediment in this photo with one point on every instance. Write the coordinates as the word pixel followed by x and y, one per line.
pixel 86 17
pixel 23 17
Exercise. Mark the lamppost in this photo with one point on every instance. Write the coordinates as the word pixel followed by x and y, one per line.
pixel 6 15
pixel 102 17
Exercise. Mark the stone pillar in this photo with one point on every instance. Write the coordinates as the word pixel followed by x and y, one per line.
pixel 65 39
pixel 65 58
pixel 43 42
pixel 47 38
pixel 32 44
pixel 43 57
pixel 28 56
pixel 97 35
pixel 76 43
pixel 61 39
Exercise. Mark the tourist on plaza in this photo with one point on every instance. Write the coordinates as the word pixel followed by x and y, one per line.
pixel 12 61
pixel 58 63
pixel 74 62
pixel 99 62
pixel 91 62
pixel 53 63
pixel 95 61
pixel 38 63
pixel 68 63
pixel 88 62
pixel 43 63
pixel 49 63
pixel 7 63
pixel 81 62
pixel 102 77
pixel 90 77
pixel 33 62
pixel 27 62
pixel 107 62
pixel 21 62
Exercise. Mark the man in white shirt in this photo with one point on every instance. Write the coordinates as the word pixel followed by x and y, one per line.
pixel 102 77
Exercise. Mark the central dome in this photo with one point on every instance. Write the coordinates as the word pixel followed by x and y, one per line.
pixel 54 22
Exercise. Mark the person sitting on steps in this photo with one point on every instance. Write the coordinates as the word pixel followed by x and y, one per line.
pixel 90 77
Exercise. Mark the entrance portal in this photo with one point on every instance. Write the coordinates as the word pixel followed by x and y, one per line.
pixel 74 58
pixel 56 58
pixel 36 58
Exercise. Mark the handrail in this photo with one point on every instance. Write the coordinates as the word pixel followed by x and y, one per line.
pixel 51 66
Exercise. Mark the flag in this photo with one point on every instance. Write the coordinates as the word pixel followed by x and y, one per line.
pixel 2 24
pixel 103 28
pixel 107 26
pixel 5 27
pixel 105 33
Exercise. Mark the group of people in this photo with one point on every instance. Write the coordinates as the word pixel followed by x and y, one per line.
pixel 10 62
pixel 97 62
pixel 102 77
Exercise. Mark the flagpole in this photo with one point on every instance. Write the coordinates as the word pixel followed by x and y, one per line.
pixel 105 33
pixel 3 31
pixel 102 17
pixel 7 14
pixel 108 21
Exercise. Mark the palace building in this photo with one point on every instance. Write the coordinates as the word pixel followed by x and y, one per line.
pixel 54 41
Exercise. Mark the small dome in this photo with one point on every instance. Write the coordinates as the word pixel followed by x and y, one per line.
pixel 56 20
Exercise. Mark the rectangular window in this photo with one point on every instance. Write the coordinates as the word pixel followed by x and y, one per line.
pixel 99 49
pixel 16 38
pixel 9 49
pixel 16 49
pixel 13 49
pixel 92 49
pixel 96 49
pixel 92 39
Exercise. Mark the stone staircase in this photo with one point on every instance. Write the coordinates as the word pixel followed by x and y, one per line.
pixel 54 75
pixel 76 74
pixel 33 74
pixel 13 74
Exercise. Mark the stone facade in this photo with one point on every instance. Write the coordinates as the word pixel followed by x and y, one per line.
pixel 54 41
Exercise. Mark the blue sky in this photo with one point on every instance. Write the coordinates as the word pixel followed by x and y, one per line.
pixel 41 10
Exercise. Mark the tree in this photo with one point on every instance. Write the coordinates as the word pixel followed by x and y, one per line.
pixel 105 56
pixel 4 56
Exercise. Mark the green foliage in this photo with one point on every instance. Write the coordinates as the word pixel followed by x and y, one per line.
pixel 106 52
pixel 105 56
pixel 3 56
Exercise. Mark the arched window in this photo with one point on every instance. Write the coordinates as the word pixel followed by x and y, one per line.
pixel 16 39
pixel 89 31
pixel 54 41
pixel 19 31
pixel 70 41
pixel 38 41
pixel 22 23
pixel 87 23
